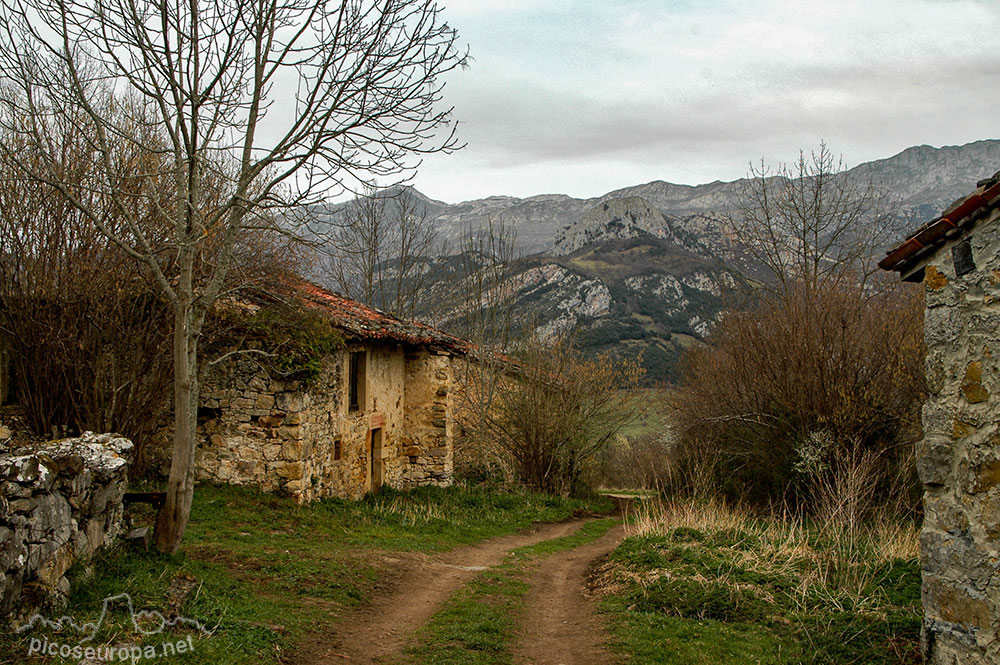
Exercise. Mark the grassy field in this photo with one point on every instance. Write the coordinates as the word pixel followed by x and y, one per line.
pixel 261 571
pixel 706 584
pixel 694 583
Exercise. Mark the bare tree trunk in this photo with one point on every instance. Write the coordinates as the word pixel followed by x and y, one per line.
pixel 173 516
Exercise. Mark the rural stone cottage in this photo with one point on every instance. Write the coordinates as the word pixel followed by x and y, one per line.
pixel 379 413
pixel 957 257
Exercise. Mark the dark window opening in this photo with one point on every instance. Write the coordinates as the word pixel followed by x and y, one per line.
pixel 356 381
pixel 961 255
pixel 336 449
pixel 206 413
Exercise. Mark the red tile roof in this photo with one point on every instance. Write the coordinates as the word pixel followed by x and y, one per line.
pixel 362 322
pixel 963 214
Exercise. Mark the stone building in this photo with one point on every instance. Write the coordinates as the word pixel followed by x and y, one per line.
pixel 380 412
pixel 957 257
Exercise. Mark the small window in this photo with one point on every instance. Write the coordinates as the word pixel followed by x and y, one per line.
pixel 336 449
pixel 961 255
pixel 356 382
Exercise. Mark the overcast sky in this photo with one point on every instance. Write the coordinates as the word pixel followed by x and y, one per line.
pixel 581 97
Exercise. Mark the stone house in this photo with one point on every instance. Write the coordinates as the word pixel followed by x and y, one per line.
pixel 957 257
pixel 380 413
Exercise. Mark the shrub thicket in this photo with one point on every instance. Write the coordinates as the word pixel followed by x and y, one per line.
pixel 816 391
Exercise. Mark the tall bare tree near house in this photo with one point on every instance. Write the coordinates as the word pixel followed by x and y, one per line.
pixel 277 103
pixel 810 223
pixel 378 250
pixel 480 308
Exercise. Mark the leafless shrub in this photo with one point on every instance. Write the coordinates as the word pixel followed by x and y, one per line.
pixel 837 359
pixel 87 332
pixel 554 409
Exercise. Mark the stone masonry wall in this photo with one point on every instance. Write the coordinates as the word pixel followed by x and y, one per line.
pixel 429 419
pixel 959 457
pixel 60 502
pixel 304 440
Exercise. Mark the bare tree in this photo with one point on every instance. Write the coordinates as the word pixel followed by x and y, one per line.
pixel 479 306
pixel 555 410
pixel 810 222
pixel 820 349
pixel 274 102
pixel 379 251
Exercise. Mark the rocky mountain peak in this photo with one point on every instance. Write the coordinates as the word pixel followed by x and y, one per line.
pixel 622 217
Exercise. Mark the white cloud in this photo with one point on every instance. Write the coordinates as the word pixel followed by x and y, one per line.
pixel 574 97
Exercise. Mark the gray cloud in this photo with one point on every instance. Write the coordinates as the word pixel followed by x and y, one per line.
pixel 722 90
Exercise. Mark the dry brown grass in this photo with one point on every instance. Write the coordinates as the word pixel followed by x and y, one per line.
pixel 838 558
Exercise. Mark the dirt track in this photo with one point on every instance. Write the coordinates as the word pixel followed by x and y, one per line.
pixel 559 626
pixel 377 631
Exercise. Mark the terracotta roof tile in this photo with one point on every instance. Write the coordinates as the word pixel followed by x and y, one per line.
pixel 362 322
pixel 964 213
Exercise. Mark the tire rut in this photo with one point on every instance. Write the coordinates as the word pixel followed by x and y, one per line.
pixel 559 626
pixel 379 630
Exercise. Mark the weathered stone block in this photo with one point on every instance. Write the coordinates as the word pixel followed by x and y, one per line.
pixel 982 473
pixel 961 429
pixel 270 420
pixel 289 470
pixel 11 547
pixel 955 604
pixel 23 506
pixel 941 512
pixel 94 533
pixel 972 387
pixel 292 449
pixel 941 326
pixel 937 417
pixel 291 431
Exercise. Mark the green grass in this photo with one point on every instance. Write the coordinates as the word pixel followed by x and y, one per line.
pixel 651 418
pixel 636 493
pixel 763 592
pixel 266 571
pixel 477 624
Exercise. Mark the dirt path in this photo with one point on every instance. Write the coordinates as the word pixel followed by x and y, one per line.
pixel 378 630
pixel 559 626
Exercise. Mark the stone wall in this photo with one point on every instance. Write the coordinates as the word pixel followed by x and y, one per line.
pixel 61 501
pixel 429 419
pixel 306 442
pixel 959 457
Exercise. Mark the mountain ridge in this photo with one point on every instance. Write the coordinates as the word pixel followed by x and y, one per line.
pixel 926 179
